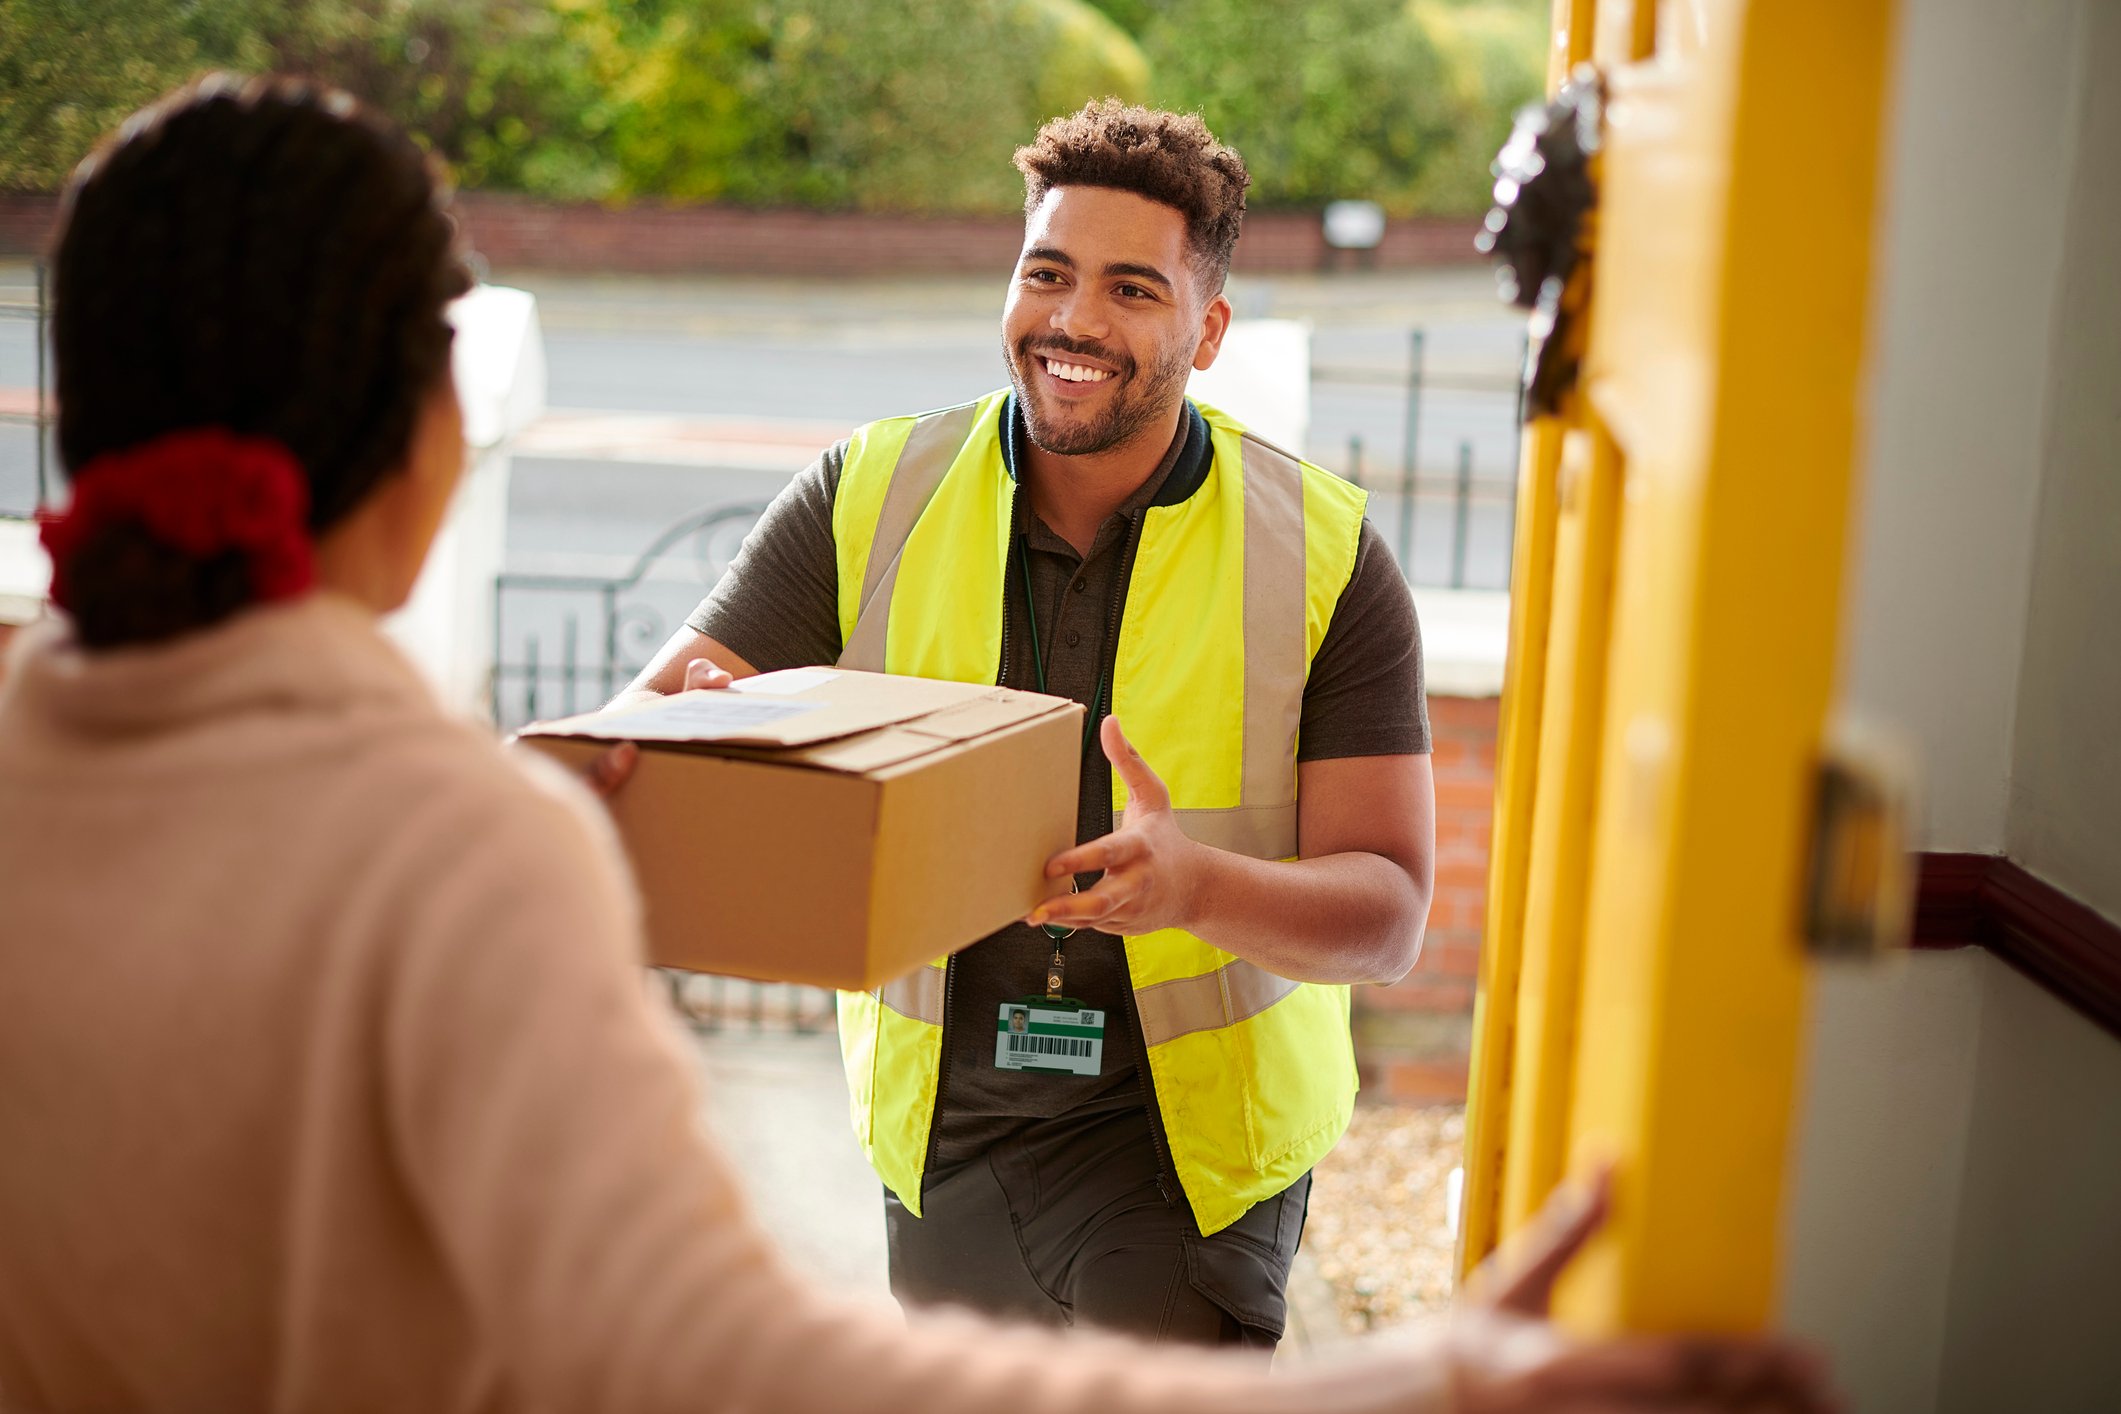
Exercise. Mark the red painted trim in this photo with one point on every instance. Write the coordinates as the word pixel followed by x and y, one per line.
pixel 1986 900
pixel 1948 907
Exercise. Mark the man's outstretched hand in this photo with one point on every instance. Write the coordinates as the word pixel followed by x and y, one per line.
pixel 1151 870
pixel 610 770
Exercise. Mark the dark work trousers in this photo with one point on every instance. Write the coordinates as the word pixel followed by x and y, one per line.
pixel 1067 1224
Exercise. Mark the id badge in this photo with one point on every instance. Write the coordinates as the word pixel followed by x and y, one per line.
pixel 1049 1040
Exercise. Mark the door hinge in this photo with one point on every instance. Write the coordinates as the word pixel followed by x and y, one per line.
pixel 1859 877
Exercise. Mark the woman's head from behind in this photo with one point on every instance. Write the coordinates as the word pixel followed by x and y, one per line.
pixel 251 273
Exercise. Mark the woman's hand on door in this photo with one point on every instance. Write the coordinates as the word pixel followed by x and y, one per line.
pixel 1506 1358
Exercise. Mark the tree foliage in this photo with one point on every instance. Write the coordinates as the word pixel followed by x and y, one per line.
pixel 1324 101
pixel 502 89
pixel 1494 62
pixel 849 103
pixel 910 105
pixel 70 70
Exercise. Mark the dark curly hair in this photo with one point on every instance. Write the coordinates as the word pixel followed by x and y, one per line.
pixel 261 255
pixel 1167 157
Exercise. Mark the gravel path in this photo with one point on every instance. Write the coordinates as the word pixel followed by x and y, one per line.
pixel 1377 1229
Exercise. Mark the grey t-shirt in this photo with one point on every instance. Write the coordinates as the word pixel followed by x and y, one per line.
pixel 778 607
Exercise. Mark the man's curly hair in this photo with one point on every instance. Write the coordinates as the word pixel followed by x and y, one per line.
pixel 1170 158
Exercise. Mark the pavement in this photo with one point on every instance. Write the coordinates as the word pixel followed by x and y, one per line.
pixel 671 395
pixel 776 1103
pixel 886 306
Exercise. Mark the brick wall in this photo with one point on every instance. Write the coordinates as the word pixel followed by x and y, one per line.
pixel 1413 1038
pixel 518 234
pixel 25 223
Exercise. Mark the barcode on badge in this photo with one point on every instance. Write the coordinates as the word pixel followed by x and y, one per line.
pixel 1048 1045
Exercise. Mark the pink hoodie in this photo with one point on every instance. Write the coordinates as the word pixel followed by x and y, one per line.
pixel 328 1081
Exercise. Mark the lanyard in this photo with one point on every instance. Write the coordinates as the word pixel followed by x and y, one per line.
pixel 1057 965
pixel 1096 714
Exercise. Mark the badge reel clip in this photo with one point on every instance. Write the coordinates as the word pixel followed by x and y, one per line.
pixel 1053 1034
pixel 1056 966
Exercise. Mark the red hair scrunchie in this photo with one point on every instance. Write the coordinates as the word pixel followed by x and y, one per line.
pixel 203 491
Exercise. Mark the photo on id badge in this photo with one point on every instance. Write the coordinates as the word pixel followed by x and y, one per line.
pixel 1050 1037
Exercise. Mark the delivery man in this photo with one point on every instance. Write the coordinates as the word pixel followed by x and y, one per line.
pixel 1257 838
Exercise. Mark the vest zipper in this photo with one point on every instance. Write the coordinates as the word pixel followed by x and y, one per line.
pixel 942 1072
pixel 1166 1172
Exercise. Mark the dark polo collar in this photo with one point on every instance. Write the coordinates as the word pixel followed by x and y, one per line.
pixel 1188 474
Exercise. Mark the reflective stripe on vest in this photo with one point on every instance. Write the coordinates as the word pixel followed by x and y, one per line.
pixel 1169 1010
pixel 1263 824
pixel 917 996
pixel 1229 598
pixel 926 458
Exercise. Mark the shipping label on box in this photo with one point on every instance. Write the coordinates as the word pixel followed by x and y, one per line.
pixel 833 827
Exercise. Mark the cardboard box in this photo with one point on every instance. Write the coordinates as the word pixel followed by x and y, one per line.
pixel 833 827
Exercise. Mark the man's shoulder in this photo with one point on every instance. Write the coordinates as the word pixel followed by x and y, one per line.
pixel 1318 480
pixel 876 447
pixel 900 422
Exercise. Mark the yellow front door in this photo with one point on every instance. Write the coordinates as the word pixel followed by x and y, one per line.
pixel 1678 588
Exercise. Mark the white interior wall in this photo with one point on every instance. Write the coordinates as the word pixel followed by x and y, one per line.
pixel 2035 1318
pixel 1954 1220
pixel 1976 174
pixel 1876 1179
pixel 2035 1313
pixel 2064 820
pixel 1957 1162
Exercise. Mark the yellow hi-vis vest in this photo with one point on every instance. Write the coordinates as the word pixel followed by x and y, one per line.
pixel 1231 592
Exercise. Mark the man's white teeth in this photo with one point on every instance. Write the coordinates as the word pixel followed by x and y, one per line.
pixel 1075 372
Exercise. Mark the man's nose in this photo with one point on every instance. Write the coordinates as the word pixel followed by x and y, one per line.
pixel 1079 316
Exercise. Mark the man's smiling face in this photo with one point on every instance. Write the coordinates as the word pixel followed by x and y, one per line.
pixel 1106 319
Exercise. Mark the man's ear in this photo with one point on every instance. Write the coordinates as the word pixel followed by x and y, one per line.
pixel 1214 323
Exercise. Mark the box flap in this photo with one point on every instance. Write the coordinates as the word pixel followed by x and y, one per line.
pixel 803 707
pixel 865 751
pixel 996 709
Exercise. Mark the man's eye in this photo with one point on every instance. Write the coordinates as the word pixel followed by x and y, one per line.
pixel 1134 292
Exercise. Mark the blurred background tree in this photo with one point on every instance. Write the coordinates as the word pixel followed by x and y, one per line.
pixel 1493 58
pixel 851 103
pixel 826 103
pixel 507 91
pixel 1324 101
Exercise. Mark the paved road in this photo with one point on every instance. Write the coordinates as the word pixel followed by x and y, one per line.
pixel 844 353
pixel 814 359
pixel 1467 411
pixel 800 362
pixel 847 354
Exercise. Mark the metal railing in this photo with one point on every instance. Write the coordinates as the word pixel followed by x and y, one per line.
pixel 546 665
pixel 712 1004
pixel 630 617
pixel 566 643
pixel 1474 512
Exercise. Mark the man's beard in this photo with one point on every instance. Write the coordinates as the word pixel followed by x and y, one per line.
pixel 1135 406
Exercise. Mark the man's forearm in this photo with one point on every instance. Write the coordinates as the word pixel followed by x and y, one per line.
pixel 678 666
pixel 1339 918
